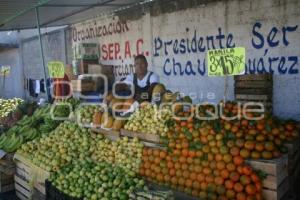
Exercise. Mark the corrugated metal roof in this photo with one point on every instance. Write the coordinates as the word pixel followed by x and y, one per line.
pixel 20 14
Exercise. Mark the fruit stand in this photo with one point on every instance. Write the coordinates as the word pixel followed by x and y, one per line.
pixel 188 157
pixel 82 138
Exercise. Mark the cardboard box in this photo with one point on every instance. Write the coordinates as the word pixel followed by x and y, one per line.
pixel 83 85
pixel 69 72
pixel 106 70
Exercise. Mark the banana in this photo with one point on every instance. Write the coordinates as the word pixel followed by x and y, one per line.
pixel 13 145
pixel 3 140
pixel 34 135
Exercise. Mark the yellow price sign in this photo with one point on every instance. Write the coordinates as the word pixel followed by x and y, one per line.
pixel 222 62
pixel 56 69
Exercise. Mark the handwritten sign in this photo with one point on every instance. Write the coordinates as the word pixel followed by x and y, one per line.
pixel 4 70
pixel 56 69
pixel 222 62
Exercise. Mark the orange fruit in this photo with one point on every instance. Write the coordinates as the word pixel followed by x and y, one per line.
pixel 186 174
pixel 185 152
pixel 182 159
pixel 224 150
pixel 209 178
pixel 259 146
pixel 245 153
pixel 255 155
pixel 267 155
pixel 234 176
pixel 196 185
pixel 193 176
pixel 245 180
pixel 239 142
pixel 200 177
pixel 170 164
pixel 269 146
pixel 184 166
pixel 174 180
pixel 177 165
pixel 188 183
pixel 238 187
pixel 167 178
pixel 250 189
pixel 189 160
pixel 230 167
pixel 241 196
pixel 260 138
pixel 213 164
pixel 247 170
pixel 157 160
pixel 254 178
pixel 227 158
pixel 207 170
pixel 250 145
pixel 197 168
pixel 172 172
pixel 221 165
pixel 219 180
pixel 229 184
pixel 230 143
pixel 234 151
pixel 258 186
pixel 181 181
pixel 179 173
pixel 156 152
pixel 218 157
pixel 225 173
pixel 238 160
pixel 230 194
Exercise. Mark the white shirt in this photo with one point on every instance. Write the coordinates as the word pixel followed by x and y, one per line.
pixel 142 83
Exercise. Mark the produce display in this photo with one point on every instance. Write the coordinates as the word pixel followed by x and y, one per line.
pixel 200 163
pixel 27 129
pixel 254 139
pixel 95 116
pixel 9 105
pixel 150 119
pixel 65 108
pixel 66 143
pixel 123 152
pixel 93 181
pixel 71 142
pixel 202 158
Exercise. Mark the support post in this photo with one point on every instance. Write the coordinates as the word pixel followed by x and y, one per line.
pixel 42 51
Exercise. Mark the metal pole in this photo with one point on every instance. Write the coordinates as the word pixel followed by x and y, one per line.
pixel 42 51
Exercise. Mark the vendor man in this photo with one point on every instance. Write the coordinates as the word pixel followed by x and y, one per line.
pixel 142 80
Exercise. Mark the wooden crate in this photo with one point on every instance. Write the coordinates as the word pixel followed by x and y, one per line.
pixel 276 170
pixel 31 174
pixel 6 183
pixel 253 77
pixel 277 194
pixel 294 177
pixel 254 88
pixel 7 170
pixel 23 188
pixel 293 162
pixel 111 134
pixel 142 136
pixel 37 195
pixel 293 146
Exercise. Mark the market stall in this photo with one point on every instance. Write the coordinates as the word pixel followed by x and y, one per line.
pixel 92 140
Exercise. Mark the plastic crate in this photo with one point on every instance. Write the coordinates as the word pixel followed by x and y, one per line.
pixel 52 193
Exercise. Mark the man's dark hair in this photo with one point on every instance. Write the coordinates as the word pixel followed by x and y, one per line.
pixel 142 57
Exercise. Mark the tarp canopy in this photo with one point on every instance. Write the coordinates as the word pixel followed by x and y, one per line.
pixel 20 14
